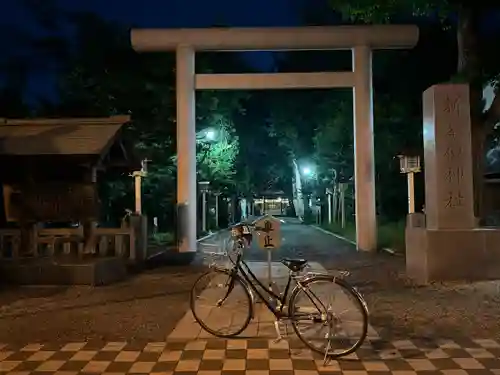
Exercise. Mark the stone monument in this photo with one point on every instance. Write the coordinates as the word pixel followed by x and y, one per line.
pixel 447 245
pixel 449 196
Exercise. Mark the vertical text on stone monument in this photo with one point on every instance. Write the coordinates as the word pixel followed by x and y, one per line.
pixel 453 153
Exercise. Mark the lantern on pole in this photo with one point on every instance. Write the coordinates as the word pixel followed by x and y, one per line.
pixel 409 164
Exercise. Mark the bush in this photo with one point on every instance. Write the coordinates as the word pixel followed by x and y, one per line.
pixel 163 238
pixel 309 217
pixel 348 232
pixel 390 234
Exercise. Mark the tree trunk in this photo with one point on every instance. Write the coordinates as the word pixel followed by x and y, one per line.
pixel 469 67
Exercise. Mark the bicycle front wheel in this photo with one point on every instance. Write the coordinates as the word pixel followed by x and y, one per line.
pixel 318 311
pixel 221 303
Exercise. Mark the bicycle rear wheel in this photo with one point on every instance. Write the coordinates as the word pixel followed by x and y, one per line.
pixel 221 298
pixel 317 314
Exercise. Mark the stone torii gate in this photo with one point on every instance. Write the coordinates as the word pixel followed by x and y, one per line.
pixel 361 40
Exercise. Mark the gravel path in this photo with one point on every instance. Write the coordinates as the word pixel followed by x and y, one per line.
pixel 148 306
pixel 398 308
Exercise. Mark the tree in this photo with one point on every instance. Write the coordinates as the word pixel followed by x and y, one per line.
pixel 217 157
pixel 107 77
pixel 260 162
pixel 471 58
pixel 12 103
pixel 334 147
pixel 334 144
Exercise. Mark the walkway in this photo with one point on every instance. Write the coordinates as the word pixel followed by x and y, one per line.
pixel 298 241
pixel 188 350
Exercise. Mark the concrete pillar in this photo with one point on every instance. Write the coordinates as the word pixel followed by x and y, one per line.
pixel 186 148
pixel 364 160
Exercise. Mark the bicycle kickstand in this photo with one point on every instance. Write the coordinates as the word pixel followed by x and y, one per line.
pixel 326 358
pixel 278 332
pixel 329 337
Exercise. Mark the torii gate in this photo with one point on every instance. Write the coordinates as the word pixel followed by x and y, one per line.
pixel 361 40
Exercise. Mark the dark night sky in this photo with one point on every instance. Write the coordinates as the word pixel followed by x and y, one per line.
pixel 163 13
pixel 178 13
pixel 157 13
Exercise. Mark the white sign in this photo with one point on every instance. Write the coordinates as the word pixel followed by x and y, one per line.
pixel 269 233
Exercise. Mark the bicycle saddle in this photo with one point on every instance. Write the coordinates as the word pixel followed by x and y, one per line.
pixel 294 265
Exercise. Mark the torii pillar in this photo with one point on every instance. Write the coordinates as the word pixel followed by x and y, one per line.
pixel 361 40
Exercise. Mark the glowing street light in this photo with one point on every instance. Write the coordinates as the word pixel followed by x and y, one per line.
pixel 207 135
pixel 307 171
pixel 210 135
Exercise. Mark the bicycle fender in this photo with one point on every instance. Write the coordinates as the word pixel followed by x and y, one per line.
pixel 358 294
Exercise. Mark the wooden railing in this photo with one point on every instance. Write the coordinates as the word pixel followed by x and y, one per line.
pixel 10 243
pixel 54 242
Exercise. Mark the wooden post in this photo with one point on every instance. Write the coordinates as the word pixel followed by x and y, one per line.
pixel 138 175
pixel 411 193
pixel 89 237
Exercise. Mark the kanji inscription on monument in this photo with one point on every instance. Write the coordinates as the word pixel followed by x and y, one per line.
pixel 448 157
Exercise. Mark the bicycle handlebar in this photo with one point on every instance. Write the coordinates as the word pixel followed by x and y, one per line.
pixel 253 226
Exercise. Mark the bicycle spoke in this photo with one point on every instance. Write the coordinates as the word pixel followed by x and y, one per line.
pixel 221 306
pixel 320 314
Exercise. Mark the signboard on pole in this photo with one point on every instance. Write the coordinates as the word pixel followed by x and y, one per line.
pixel 269 238
pixel 269 234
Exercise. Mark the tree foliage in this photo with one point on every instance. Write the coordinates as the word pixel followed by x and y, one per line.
pixel 258 135
pixel 106 77
pixel 473 60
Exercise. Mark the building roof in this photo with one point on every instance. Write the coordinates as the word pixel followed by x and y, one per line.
pixel 74 136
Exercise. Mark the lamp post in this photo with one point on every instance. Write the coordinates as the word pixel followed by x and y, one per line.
pixel 317 203
pixel 409 165
pixel 329 194
pixel 204 188
pixel 217 195
pixel 308 177
pixel 342 187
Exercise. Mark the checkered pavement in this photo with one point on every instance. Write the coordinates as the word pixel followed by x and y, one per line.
pixel 188 350
pixel 252 357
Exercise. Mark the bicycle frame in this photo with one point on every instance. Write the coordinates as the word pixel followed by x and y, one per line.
pixel 250 277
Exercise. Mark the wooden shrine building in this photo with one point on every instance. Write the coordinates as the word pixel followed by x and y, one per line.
pixel 48 171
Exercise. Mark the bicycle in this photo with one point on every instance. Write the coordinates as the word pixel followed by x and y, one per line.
pixel 282 305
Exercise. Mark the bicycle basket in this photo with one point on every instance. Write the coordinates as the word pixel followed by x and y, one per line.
pixel 215 252
pixel 240 230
